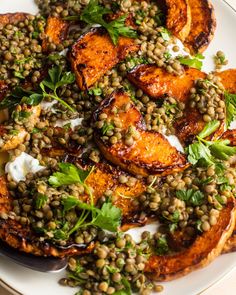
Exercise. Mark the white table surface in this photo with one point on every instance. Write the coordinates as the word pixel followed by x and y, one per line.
pixel 226 286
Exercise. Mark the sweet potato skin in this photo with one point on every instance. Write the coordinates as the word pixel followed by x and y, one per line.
pixel 94 54
pixel 203 25
pixel 150 154
pixel 204 249
pixel 12 18
pixel 55 32
pixel 156 82
pixel 178 19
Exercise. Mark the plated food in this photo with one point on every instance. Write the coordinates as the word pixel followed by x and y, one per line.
pixel 114 126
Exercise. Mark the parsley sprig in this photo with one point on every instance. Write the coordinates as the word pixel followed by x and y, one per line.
pixel 230 104
pixel 108 217
pixel 205 152
pixel 70 174
pixel 48 89
pixel 94 14
pixel 192 62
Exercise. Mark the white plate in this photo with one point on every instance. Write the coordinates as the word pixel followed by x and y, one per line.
pixel 29 282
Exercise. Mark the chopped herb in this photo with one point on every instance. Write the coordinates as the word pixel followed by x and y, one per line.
pixel 108 217
pixel 230 104
pixel 134 61
pixel 209 128
pixel 14 132
pixel 206 152
pixel 40 201
pixel 191 196
pixel 54 80
pixel 127 288
pixel 19 75
pixel 165 34
pixel 162 246
pixel 167 55
pixel 94 13
pixel 21 115
pixel 192 62
pixel 199 225
pixel 95 91
pixel 159 17
pixel 69 174
pixel 107 127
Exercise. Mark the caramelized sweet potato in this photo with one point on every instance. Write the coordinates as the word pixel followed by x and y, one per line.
pixel 228 79
pixel 102 178
pixel 204 249
pixel 19 138
pixel 55 32
pixel 178 19
pixel 94 54
pixel 156 82
pixel 203 25
pixel 12 18
pixel 151 153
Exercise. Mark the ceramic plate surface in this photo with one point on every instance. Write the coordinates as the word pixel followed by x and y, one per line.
pixel 27 282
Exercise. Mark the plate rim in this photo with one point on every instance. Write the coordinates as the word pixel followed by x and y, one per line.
pixel 13 291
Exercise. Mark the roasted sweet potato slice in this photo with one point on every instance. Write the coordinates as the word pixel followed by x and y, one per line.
pixel 156 82
pixel 203 25
pixel 21 237
pixel 19 138
pixel 102 178
pixel 228 79
pixel 55 32
pixel 204 249
pixel 178 19
pixel 94 54
pixel 12 18
pixel 151 153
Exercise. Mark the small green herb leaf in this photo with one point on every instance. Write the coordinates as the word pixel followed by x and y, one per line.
pixel 162 246
pixel 209 128
pixel 40 201
pixel 230 103
pixel 107 127
pixel 69 174
pixel 190 196
pixel 94 14
pixel 192 62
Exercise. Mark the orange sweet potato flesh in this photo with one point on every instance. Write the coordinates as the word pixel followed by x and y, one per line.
pixel 203 25
pixel 178 19
pixel 55 32
pixel 203 250
pixel 151 154
pixel 94 54
pixel 228 79
pixel 157 82
pixel 12 18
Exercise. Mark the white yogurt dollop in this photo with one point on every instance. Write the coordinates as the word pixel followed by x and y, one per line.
pixel 174 141
pixel 73 123
pixel 21 166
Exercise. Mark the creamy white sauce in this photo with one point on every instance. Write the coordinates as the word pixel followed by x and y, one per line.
pixel 47 105
pixel 174 141
pixel 73 123
pixel 21 166
pixel 181 51
pixel 232 125
pixel 137 231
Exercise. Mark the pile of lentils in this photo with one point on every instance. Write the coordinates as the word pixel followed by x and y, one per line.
pixel 208 97
pixel 114 266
